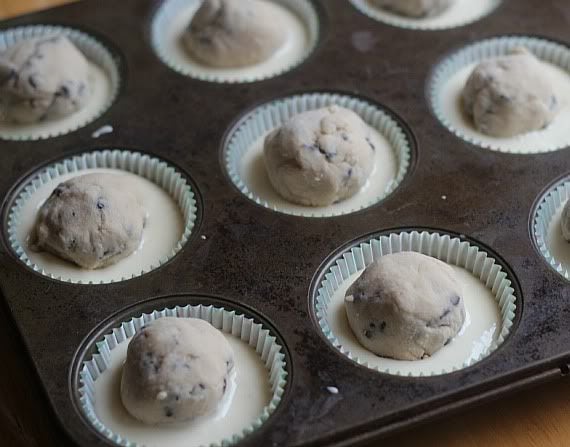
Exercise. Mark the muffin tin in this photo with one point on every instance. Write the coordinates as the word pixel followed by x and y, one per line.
pixel 244 256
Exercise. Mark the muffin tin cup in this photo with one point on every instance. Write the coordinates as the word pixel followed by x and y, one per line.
pixel 463 12
pixel 554 137
pixel 143 165
pixel 94 51
pixel 170 10
pixel 446 248
pixel 549 206
pixel 268 116
pixel 249 331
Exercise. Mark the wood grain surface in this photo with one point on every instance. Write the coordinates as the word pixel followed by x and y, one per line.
pixel 539 417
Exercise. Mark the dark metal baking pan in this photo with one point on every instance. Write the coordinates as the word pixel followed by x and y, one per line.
pixel 266 260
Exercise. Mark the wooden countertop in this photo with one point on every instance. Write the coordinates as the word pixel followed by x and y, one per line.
pixel 539 417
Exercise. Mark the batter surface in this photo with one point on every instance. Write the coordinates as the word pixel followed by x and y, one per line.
pixel 459 13
pixel 481 328
pixel 101 91
pixel 163 230
pixel 294 48
pixel 538 141
pixel 254 175
pixel 249 393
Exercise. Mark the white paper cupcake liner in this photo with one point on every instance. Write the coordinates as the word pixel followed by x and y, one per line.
pixel 275 113
pixel 171 11
pixel 92 49
pixel 441 246
pixel 554 137
pixel 148 167
pixel 549 206
pixel 463 12
pixel 246 329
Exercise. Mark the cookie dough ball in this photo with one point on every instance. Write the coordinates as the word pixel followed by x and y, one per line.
pixel 405 306
pixel 234 33
pixel 415 8
pixel 93 220
pixel 176 370
pixel 42 78
pixel 319 157
pixel 565 221
pixel 510 95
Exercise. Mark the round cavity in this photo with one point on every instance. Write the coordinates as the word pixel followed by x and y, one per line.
pixel 104 80
pixel 547 230
pixel 298 17
pixel 258 380
pixel 449 78
pixel 489 299
pixel 165 193
pixel 243 153
pixel 460 13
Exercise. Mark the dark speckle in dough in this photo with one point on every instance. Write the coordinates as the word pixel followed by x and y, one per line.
pixel 168 412
pixel 375 327
pixel 63 91
pixel 204 39
pixel 11 75
pixel 455 300
pixel 553 102
pixel 370 144
pixel 72 245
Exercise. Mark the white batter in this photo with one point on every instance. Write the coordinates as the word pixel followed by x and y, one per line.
pixel 460 13
pixel 254 175
pixel 481 328
pixel 249 393
pixel 163 230
pixel 556 134
pixel 558 246
pixel 101 91
pixel 294 49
